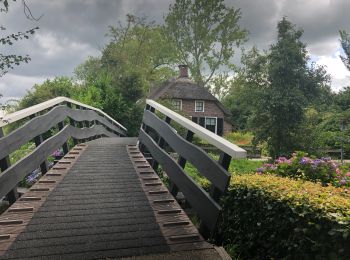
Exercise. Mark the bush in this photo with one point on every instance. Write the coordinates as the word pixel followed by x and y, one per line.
pixel 240 138
pixel 300 166
pixel 269 217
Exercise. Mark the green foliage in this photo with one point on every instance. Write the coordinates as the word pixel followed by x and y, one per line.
pixel 22 152
pixel 277 86
pixel 345 44
pixel 240 138
pixel 249 84
pixel 270 217
pixel 139 47
pixel 300 166
pixel 205 34
pixel 59 86
pixel 243 166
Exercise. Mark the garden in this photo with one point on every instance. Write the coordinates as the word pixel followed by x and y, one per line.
pixel 287 208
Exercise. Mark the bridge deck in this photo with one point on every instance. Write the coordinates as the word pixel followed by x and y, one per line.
pixel 101 201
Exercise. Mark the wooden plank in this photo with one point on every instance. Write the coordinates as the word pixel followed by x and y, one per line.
pixel 40 124
pixel 231 149
pixel 209 168
pixel 10 177
pixel 13 117
pixel 207 209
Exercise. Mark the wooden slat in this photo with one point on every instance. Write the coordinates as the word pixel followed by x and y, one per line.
pixel 13 117
pixel 207 209
pixel 211 169
pixel 231 149
pixel 41 124
pixel 10 177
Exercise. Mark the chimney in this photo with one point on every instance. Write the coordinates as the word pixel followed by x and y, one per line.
pixel 183 71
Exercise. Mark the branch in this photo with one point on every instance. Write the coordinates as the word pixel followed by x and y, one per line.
pixel 28 13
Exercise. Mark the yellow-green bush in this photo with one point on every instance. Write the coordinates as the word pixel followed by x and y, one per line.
pixel 271 217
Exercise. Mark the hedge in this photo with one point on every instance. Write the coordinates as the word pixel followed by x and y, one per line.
pixel 271 217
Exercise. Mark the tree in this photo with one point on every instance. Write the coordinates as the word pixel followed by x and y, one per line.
pixel 206 34
pixel 139 47
pixel 8 61
pixel 287 87
pixel 247 87
pixel 345 44
pixel 51 88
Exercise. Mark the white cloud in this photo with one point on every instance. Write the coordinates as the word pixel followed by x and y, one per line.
pixel 14 86
pixel 340 76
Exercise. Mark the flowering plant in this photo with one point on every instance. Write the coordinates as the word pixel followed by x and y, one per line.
pixel 58 153
pixel 301 166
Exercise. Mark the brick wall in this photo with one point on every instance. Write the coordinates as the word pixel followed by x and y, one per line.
pixel 210 110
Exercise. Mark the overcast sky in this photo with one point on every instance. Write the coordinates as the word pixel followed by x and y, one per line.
pixel 72 30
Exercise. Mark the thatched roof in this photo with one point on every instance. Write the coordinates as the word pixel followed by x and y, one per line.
pixel 183 88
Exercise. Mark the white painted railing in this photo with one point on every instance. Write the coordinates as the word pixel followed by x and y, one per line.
pixel 227 147
pixel 13 117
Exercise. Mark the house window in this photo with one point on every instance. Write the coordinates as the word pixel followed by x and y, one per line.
pixel 199 106
pixel 177 104
pixel 211 124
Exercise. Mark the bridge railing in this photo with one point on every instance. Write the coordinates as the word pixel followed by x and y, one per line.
pixel 205 204
pixel 69 118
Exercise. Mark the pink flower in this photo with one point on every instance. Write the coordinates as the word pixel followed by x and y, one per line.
pixel 338 171
pixel 348 174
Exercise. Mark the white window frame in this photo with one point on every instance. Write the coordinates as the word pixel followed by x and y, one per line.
pixel 195 106
pixel 177 100
pixel 216 123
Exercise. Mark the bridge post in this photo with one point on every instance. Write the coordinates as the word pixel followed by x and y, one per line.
pixel 5 163
pixel 60 126
pixel 72 123
pixel 144 127
pixel 44 166
pixel 224 161
pixel 182 162
pixel 161 144
pixel 80 125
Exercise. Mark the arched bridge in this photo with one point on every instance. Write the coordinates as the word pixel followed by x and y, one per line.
pixel 103 198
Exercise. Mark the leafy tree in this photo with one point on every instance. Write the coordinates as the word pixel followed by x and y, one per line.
pixel 51 88
pixel 345 43
pixel 206 34
pixel 139 47
pixel 281 86
pixel 248 85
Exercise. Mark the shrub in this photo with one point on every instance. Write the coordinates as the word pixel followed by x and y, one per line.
pixel 300 166
pixel 269 217
pixel 240 138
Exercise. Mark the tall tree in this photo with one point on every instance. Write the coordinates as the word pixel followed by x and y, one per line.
pixel 345 43
pixel 248 86
pixel 139 47
pixel 206 34
pixel 291 85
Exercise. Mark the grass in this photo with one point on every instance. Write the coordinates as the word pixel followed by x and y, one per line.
pixel 241 166
pixel 22 152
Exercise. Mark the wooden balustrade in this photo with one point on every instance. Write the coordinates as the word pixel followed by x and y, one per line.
pixel 53 114
pixel 205 204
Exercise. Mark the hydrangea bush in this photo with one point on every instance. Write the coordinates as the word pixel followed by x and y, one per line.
pixel 301 166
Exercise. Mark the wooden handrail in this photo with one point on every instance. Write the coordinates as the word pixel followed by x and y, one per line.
pixel 41 124
pixel 11 176
pixel 13 117
pixel 227 147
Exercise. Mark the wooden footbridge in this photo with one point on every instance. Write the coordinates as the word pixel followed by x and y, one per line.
pixel 104 198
